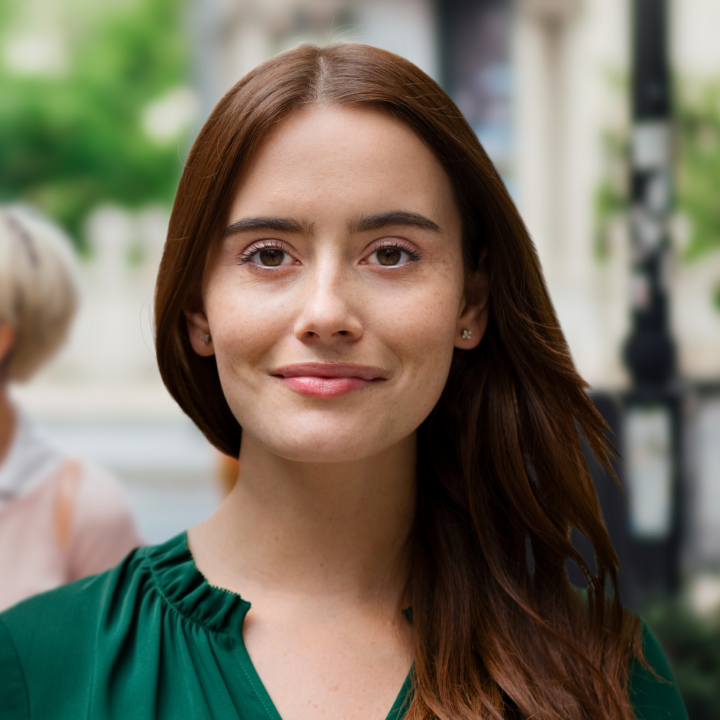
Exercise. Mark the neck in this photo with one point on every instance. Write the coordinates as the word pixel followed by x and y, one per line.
pixel 7 421
pixel 323 529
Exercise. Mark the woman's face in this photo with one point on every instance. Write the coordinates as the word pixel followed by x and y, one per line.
pixel 337 293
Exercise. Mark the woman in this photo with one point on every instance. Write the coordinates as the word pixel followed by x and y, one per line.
pixel 60 519
pixel 349 301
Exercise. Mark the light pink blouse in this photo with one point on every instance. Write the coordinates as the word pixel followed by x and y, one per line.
pixel 43 545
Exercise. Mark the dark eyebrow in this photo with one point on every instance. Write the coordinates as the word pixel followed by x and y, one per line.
pixel 271 224
pixel 367 223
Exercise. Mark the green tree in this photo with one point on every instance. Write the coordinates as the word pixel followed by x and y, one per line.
pixel 70 142
pixel 698 178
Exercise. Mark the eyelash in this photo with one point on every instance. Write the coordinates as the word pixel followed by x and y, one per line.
pixel 410 251
pixel 246 257
pixel 255 248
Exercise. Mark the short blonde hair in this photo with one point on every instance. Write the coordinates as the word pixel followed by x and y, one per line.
pixel 38 287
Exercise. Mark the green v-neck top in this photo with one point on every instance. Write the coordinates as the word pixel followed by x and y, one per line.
pixel 152 640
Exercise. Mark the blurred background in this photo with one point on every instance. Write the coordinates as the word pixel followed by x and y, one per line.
pixel 99 103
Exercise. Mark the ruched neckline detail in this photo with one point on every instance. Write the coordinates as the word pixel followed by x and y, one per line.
pixel 187 590
pixel 151 639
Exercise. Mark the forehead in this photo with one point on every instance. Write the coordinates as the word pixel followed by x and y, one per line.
pixel 344 161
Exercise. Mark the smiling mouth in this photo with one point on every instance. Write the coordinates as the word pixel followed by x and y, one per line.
pixel 328 379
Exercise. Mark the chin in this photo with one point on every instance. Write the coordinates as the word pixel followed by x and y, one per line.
pixel 328 454
pixel 324 442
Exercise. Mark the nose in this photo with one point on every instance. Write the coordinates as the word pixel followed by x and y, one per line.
pixel 327 313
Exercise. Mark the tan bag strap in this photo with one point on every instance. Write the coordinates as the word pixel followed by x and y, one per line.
pixel 70 475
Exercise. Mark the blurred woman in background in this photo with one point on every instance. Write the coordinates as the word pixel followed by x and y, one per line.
pixel 60 519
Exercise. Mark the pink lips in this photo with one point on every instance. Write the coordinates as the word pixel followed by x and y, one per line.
pixel 328 379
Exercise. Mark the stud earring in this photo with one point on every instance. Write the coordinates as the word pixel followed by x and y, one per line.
pixel 466 334
pixel 205 338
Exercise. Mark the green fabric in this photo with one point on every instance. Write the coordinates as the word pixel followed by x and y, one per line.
pixel 655 699
pixel 151 640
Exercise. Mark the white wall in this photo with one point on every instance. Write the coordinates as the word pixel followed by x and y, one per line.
pixel 563 101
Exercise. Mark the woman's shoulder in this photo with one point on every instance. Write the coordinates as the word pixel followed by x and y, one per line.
pixel 30 460
pixel 51 640
pixel 654 692
pixel 102 530
pixel 93 647
pixel 74 607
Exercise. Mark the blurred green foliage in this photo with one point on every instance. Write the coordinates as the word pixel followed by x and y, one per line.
pixel 692 644
pixel 73 140
pixel 697 177
pixel 698 182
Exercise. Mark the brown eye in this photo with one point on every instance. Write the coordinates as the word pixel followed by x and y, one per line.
pixel 389 256
pixel 272 257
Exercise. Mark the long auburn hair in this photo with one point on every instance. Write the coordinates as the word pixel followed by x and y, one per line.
pixel 499 630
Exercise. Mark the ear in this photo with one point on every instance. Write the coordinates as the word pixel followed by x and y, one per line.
pixel 473 317
pixel 7 341
pixel 199 329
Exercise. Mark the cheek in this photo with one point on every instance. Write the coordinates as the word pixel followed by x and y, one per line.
pixel 422 335
pixel 242 329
